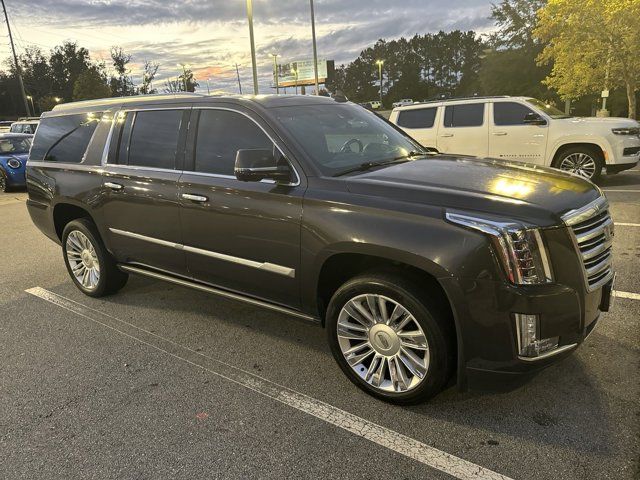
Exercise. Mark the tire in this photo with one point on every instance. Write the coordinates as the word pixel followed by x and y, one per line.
pixel 583 161
pixel 83 251
pixel 4 187
pixel 435 364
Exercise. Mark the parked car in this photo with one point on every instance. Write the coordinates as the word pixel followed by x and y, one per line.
pixel 421 266
pixel 14 151
pixel 524 129
pixel 5 126
pixel 25 126
pixel 375 104
pixel 402 103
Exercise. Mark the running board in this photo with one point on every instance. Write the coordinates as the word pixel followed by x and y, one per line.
pixel 216 291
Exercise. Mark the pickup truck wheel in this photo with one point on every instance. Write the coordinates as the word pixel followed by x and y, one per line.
pixel 387 339
pixel 90 265
pixel 582 161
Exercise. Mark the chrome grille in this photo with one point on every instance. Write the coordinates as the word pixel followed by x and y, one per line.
pixel 592 228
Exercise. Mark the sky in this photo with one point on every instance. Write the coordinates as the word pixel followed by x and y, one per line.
pixel 211 36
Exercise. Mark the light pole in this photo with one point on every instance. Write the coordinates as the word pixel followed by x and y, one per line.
pixel 295 73
pixel 184 75
pixel 239 82
pixel 208 87
pixel 275 71
pixel 380 63
pixel 315 50
pixel 253 46
pixel 33 107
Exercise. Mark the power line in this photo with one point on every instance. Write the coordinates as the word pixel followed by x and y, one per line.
pixel 15 59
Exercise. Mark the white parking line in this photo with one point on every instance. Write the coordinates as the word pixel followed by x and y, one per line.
pixel 632 296
pixel 622 224
pixel 620 190
pixel 373 432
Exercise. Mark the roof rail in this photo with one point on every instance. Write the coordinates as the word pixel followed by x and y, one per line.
pixel 124 100
pixel 453 99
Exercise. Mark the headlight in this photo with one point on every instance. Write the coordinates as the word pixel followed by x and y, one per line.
pixel 626 131
pixel 521 250
pixel 14 163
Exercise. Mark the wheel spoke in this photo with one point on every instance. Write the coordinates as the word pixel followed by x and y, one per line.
pixel 359 313
pixel 356 359
pixel 413 339
pixel 397 374
pixel 413 363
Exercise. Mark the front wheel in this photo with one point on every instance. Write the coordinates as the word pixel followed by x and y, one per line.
pixel 3 183
pixel 582 161
pixel 388 340
pixel 90 265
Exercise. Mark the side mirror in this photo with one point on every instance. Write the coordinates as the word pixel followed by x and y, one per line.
pixel 532 118
pixel 253 165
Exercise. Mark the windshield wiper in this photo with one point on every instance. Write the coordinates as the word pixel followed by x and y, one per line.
pixel 369 165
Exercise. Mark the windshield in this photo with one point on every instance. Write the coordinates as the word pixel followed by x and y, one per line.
pixel 14 145
pixel 342 136
pixel 547 108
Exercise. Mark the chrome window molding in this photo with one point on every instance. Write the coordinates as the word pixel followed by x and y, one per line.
pixel 266 266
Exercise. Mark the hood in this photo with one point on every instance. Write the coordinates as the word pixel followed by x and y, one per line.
pixel 604 121
pixel 534 195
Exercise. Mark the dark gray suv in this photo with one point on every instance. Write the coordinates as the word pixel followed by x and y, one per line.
pixel 424 268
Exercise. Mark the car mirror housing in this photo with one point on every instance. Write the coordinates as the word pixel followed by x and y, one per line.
pixel 534 119
pixel 254 165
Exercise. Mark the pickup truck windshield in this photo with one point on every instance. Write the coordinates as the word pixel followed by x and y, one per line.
pixel 341 137
pixel 547 108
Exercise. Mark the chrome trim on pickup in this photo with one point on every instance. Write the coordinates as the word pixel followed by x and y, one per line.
pixel 552 353
pixel 217 291
pixel 266 266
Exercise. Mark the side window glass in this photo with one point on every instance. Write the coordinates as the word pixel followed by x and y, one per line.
pixel 417 118
pixel 221 133
pixel 469 115
pixel 154 138
pixel 509 113
pixel 120 137
pixel 65 138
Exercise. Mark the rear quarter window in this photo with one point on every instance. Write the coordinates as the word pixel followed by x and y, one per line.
pixel 64 139
pixel 417 118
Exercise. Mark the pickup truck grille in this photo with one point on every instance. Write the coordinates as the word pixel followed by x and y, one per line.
pixel 592 228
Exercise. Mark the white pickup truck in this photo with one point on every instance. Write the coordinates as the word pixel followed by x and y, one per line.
pixel 523 129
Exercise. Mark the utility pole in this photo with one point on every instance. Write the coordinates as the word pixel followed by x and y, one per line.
pixel 275 71
pixel 15 59
pixel 253 46
pixel 380 63
pixel 315 51
pixel 238 74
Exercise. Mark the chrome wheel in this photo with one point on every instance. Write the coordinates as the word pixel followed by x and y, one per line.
pixel 83 259
pixel 383 343
pixel 580 163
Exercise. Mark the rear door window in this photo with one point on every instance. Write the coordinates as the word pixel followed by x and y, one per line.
pixel 417 118
pixel 466 115
pixel 221 133
pixel 64 139
pixel 154 139
pixel 509 113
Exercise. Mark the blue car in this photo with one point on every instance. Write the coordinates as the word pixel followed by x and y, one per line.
pixel 14 151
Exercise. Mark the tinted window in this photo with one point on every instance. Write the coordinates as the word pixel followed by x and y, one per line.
pixel 470 115
pixel 64 139
pixel 509 113
pixel 417 118
pixel 10 146
pixel 154 139
pixel 119 145
pixel 221 134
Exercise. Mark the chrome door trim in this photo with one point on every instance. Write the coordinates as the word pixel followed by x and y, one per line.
pixel 216 291
pixel 266 266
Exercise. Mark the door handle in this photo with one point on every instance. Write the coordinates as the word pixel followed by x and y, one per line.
pixel 499 134
pixel 447 135
pixel 113 186
pixel 194 198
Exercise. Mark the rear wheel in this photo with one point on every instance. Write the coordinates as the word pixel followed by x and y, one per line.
pixel 90 265
pixel 582 161
pixel 3 182
pixel 388 340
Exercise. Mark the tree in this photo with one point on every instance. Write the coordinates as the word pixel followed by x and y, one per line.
pixel 593 44
pixel 149 73
pixel 173 86
pixel 91 84
pixel 121 84
pixel 67 63
pixel 516 20
pixel 187 81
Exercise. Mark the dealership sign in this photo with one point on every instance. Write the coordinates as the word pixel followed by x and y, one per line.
pixel 304 70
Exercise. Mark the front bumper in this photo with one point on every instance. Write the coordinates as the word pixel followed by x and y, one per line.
pixel 488 358
pixel 621 167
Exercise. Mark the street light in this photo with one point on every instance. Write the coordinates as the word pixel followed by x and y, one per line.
pixel 275 71
pixel 315 50
pixel 380 63
pixel 57 99
pixel 33 107
pixel 295 73
pixel 253 46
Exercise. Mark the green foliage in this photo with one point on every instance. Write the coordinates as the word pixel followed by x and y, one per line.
pixel 516 20
pixel 593 44
pixel 92 83
pixel 121 83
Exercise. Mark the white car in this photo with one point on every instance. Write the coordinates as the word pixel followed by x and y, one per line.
pixel 25 126
pixel 526 130
pixel 402 103
pixel 375 104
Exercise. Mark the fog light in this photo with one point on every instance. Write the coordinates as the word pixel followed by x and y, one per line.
pixel 529 342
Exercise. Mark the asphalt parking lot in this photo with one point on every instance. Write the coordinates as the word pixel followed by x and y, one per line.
pixel 159 381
